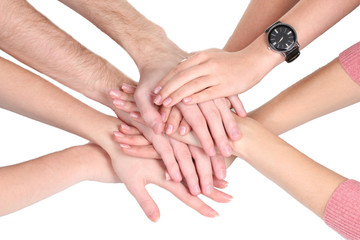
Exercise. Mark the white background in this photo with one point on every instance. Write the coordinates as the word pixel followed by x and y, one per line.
pixel 260 209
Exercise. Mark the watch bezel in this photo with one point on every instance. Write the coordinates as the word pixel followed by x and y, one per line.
pixel 269 34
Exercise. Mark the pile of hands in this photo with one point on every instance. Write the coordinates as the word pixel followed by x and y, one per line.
pixel 158 112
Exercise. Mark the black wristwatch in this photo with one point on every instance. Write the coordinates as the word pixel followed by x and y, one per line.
pixel 282 38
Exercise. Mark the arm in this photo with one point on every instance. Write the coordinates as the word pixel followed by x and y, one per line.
pixel 208 75
pixel 29 182
pixel 40 100
pixel 263 13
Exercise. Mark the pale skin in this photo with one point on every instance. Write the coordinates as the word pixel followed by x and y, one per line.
pixel 307 181
pixel 65 112
pixel 208 74
pixel 33 39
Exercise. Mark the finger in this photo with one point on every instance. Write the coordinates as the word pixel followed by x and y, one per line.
pixel 191 61
pixel 164 112
pixel 219 196
pixel 140 151
pixel 204 170
pixel 137 140
pixel 238 106
pixel 195 118
pixel 182 193
pixel 173 121
pixel 148 110
pixel 127 88
pixel 128 130
pixel 218 183
pixel 228 119
pixel 163 147
pixel 137 117
pixel 145 201
pixel 213 118
pixel 183 156
pixel 190 88
pixel 178 81
pixel 125 106
pixel 219 167
pixel 204 96
pixel 117 94
pixel 184 127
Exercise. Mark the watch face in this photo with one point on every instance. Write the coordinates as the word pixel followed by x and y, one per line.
pixel 282 38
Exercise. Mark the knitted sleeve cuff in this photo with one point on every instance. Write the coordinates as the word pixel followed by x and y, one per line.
pixel 342 212
pixel 350 61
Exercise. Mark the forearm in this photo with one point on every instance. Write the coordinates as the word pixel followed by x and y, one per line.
pixel 325 91
pixel 29 182
pixel 140 37
pixel 33 39
pixel 258 16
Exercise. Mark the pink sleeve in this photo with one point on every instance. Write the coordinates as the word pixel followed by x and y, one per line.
pixel 342 212
pixel 350 61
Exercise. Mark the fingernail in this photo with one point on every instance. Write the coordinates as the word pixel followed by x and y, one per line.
pixel 208 189
pixel 228 150
pixel 124 145
pixel 196 190
pixel 157 89
pixel 222 173
pixel 182 130
pixel 157 100
pixel 167 101
pixel 127 86
pixel 135 115
pixel 187 99
pixel 167 176
pixel 125 126
pixel 119 134
pixel 213 213
pixel 163 117
pixel 119 103
pixel 212 151
pixel 178 177
pixel 169 129
pixel 115 94
pixel 228 197
pixel 235 134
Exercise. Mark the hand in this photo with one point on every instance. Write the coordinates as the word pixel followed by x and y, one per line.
pixel 156 68
pixel 209 75
pixel 136 173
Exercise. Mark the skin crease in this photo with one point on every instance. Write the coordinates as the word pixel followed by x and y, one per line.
pixel 65 112
pixel 310 183
pixel 206 75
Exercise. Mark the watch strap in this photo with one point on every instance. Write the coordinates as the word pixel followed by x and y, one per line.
pixel 292 54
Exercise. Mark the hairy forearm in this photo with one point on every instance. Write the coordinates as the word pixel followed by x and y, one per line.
pixel 29 182
pixel 33 39
pixel 258 16
pixel 140 37
pixel 326 90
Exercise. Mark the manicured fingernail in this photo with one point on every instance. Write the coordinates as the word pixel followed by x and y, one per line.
pixel 119 103
pixel 196 190
pixel 157 100
pixel 187 99
pixel 208 189
pixel 228 150
pixel 153 216
pixel 119 134
pixel 125 126
pixel 163 117
pixel 178 177
pixel 169 129
pixel 135 115
pixel 167 101
pixel 213 213
pixel 182 130
pixel 167 176
pixel 124 145
pixel 228 197
pixel 157 89
pixel 115 94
